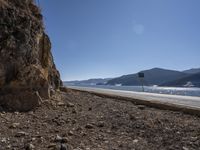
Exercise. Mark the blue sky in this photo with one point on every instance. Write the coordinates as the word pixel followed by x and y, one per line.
pixel 109 38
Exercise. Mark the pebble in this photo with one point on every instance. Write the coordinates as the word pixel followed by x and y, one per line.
pixel 4 140
pixel 8 147
pixel 52 145
pixel 74 121
pixel 21 133
pixel 193 139
pixel 61 104
pixel 135 141
pixel 74 111
pixel 70 104
pixel 89 126
pixel 70 133
pixel 62 139
pixel 58 138
pixel 100 124
pixel 142 107
pixel 65 140
pixel 132 117
pixel 63 147
pixel 58 147
pixel 185 148
pixel 30 147
pixel 14 125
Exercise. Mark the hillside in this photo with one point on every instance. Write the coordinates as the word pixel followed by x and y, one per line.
pixel 191 80
pixel 192 71
pixel 155 76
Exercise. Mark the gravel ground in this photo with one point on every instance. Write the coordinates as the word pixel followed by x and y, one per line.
pixel 82 121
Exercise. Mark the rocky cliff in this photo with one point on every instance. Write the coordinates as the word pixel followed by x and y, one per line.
pixel 27 70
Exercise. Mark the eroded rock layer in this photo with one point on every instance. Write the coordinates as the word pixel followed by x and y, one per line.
pixel 27 69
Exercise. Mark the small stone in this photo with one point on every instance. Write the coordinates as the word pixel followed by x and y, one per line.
pixel 79 129
pixel 16 113
pixel 193 139
pixel 74 111
pixel 20 134
pixel 74 121
pixel 52 145
pixel 58 147
pixel 70 104
pixel 30 147
pixel 8 147
pixel 14 125
pixel 63 147
pixel 58 138
pixel 4 140
pixel 65 140
pixel 70 133
pixel 135 141
pixel 61 104
pixel 142 107
pixel 132 117
pixel 100 124
pixel 30 113
pixel 89 126
pixel 185 148
pixel 90 108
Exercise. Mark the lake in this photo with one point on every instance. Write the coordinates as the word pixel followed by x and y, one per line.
pixel 189 91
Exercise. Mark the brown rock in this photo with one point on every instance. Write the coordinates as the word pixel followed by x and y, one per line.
pixel 70 133
pixel 89 126
pixel 30 147
pixel 70 104
pixel 142 107
pixel 100 124
pixel 14 125
pixel 21 133
pixel 26 62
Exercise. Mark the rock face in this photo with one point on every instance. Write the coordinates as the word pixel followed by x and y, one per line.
pixel 27 69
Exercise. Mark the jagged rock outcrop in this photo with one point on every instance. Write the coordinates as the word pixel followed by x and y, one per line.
pixel 27 70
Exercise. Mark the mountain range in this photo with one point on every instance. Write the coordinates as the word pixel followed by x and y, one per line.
pixel 154 76
pixel 192 71
pixel 191 80
pixel 88 82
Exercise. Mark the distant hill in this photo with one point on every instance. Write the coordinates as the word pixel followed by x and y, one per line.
pixel 191 80
pixel 155 76
pixel 98 81
pixel 192 71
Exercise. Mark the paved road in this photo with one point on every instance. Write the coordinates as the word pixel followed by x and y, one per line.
pixel 189 101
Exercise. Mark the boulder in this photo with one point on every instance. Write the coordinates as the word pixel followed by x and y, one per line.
pixel 26 62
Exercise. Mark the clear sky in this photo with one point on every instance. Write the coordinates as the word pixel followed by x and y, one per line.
pixel 109 38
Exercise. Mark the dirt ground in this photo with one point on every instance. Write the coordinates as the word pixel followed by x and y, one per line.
pixel 85 121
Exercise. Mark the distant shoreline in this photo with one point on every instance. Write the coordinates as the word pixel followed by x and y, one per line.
pixel 185 91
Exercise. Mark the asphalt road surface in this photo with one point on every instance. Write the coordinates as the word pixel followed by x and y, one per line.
pixel 188 101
